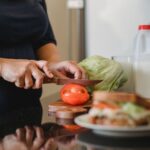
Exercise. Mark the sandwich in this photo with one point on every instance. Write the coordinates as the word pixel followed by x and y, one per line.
pixel 119 109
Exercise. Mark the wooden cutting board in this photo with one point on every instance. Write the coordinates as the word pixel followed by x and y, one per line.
pixel 66 111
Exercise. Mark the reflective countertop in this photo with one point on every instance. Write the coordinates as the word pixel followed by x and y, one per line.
pixel 61 134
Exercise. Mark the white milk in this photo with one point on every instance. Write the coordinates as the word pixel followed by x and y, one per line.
pixel 142 78
pixel 142 61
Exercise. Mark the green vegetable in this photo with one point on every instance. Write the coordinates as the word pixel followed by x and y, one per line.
pixel 134 110
pixel 110 71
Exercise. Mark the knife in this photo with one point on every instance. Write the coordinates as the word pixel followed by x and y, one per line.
pixel 60 81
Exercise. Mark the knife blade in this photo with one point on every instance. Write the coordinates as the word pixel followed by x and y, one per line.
pixel 60 81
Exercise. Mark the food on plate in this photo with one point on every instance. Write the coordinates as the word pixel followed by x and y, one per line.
pixel 100 68
pixel 119 109
pixel 74 94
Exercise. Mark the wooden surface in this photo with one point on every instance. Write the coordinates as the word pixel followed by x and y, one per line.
pixel 66 111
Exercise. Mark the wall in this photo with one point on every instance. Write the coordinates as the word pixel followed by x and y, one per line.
pixel 111 25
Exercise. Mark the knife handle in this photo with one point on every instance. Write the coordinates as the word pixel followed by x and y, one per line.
pixel 50 80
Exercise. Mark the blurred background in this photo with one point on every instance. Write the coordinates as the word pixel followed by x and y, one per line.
pixel 95 27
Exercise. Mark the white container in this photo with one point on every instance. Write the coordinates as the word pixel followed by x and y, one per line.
pixel 127 65
pixel 142 75
pixel 142 43
pixel 142 61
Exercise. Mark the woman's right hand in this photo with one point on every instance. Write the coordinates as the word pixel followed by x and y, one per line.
pixel 24 73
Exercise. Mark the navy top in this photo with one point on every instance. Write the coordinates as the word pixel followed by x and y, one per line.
pixel 24 27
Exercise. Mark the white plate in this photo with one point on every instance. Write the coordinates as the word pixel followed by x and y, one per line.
pixel 83 121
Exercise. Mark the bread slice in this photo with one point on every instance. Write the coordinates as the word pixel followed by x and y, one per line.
pixel 114 96
pixel 121 97
pixel 113 122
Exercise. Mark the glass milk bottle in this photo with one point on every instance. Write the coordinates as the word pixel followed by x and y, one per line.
pixel 142 61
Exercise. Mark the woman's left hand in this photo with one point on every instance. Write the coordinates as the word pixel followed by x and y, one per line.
pixel 67 69
pixel 63 69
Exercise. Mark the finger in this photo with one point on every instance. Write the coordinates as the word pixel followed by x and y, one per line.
pixel 50 144
pixel 44 66
pixel 74 69
pixel 39 140
pixel 69 68
pixel 28 81
pixel 39 132
pixel 20 82
pixel 29 135
pixel 38 76
pixel 84 75
pixel 48 72
pixel 20 133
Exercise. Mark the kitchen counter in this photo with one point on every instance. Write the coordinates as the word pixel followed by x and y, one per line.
pixel 63 135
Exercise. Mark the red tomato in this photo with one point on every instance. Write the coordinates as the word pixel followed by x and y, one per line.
pixel 74 94
pixel 103 105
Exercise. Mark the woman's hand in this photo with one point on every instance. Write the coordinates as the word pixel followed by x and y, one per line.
pixel 67 69
pixel 24 73
pixel 33 138
pixel 64 69
pixel 28 138
pixel 30 74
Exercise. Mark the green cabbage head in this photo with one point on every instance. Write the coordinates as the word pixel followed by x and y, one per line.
pixel 110 71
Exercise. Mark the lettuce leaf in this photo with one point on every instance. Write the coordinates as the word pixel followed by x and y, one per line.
pixel 100 68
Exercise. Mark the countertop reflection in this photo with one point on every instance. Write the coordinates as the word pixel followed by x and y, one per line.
pixel 26 133
pixel 100 142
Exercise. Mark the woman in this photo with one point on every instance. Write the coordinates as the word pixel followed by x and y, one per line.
pixel 25 36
